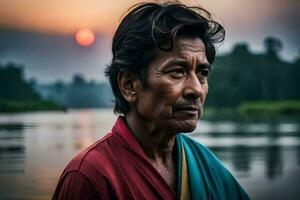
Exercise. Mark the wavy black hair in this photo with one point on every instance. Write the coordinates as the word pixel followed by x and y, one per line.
pixel 152 25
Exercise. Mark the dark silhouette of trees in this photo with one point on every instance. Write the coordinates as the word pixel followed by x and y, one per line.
pixel 80 93
pixel 273 45
pixel 78 80
pixel 18 95
pixel 244 76
pixel 84 94
pixel 13 85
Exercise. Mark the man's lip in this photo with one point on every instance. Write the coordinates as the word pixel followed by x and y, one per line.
pixel 193 108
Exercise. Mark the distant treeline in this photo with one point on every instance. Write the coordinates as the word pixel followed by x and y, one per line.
pixel 243 76
pixel 17 95
pixel 13 86
pixel 238 77
pixel 80 93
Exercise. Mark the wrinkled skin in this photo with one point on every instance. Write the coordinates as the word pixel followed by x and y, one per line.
pixel 176 88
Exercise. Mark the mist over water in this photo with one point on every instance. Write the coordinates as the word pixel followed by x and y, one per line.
pixel 35 148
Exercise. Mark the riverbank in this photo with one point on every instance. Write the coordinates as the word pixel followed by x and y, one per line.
pixel 256 111
pixel 28 106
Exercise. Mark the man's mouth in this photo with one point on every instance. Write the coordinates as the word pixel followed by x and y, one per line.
pixel 189 109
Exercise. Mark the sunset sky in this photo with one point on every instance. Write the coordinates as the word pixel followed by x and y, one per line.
pixel 244 20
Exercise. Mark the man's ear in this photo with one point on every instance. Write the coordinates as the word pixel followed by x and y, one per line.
pixel 128 85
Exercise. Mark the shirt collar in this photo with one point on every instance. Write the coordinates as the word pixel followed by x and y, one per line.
pixel 121 129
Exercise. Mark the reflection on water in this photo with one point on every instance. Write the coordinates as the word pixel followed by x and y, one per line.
pixel 12 150
pixel 35 147
pixel 242 159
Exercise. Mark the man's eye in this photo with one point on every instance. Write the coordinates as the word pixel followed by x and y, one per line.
pixel 177 73
pixel 203 73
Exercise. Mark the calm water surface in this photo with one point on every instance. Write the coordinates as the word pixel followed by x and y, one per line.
pixel 35 148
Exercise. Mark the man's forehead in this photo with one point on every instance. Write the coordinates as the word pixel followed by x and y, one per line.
pixel 184 50
pixel 189 44
pixel 183 46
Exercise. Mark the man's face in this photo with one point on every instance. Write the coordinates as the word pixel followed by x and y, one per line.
pixel 176 87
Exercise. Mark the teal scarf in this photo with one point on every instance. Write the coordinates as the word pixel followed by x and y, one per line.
pixel 202 176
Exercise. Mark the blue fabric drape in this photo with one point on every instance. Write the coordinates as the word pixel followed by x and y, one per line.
pixel 208 178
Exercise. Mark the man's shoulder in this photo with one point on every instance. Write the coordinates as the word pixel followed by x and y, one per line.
pixel 84 170
pixel 91 157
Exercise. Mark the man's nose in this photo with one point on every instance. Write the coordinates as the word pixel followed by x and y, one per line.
pixel 193 88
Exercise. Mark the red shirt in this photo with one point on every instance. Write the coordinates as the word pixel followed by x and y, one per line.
pixel 115 167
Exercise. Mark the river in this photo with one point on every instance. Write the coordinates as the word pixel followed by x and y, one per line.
pixel 35 148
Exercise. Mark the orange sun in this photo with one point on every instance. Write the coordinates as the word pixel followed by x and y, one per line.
pixel 85 37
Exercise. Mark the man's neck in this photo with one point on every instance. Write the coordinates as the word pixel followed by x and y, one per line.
pixel 159 147
pixel 158 144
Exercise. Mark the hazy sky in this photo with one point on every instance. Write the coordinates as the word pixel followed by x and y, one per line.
pixel 244 20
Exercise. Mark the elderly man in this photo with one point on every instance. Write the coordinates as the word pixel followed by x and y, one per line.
pixel 162 55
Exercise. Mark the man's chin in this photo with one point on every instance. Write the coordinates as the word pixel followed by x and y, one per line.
pixel 188 130
pixel 187 126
